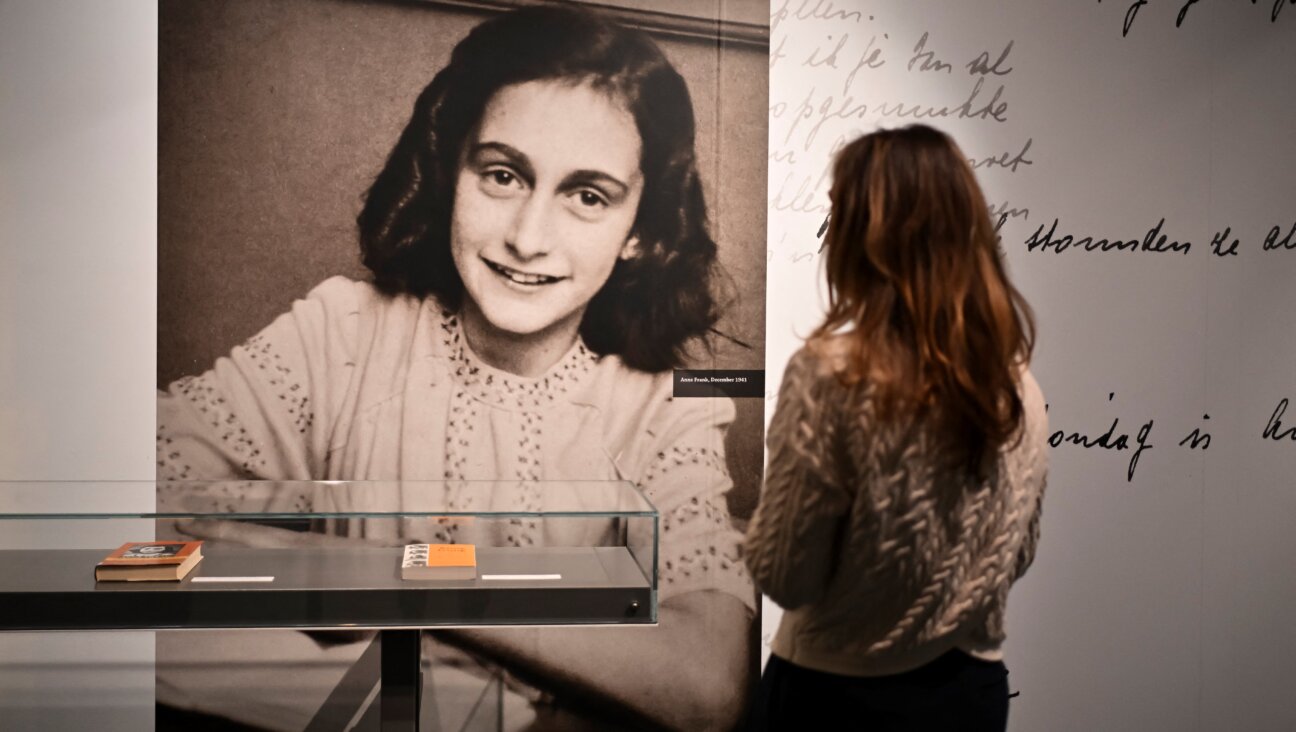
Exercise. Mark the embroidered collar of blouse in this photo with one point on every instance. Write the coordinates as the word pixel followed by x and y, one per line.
pixel 510 391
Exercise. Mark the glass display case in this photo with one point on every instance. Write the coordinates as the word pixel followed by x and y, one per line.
pixel 328 554
pixel 319 555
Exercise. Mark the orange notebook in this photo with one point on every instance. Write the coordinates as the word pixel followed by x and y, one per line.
pixel 439 562
pixel 149 561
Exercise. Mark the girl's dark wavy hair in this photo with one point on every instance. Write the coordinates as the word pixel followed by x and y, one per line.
pixel 654 303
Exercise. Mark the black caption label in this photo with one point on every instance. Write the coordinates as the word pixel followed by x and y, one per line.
pixel 719 383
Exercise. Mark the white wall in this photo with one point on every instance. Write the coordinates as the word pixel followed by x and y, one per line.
pixel 1161 602
pixel 78 264
pixel 78 140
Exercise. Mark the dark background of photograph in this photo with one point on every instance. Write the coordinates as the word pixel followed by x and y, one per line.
pixel 274 118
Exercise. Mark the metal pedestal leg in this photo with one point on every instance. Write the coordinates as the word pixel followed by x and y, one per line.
pixel 401 681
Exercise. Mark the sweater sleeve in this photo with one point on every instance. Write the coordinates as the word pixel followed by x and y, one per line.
pixel 687 480
pixel 793 537
pixel 266 410
pixel 1026 554
pixel 1031 465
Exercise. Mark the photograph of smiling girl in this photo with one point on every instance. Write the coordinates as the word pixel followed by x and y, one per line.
pixel 574 207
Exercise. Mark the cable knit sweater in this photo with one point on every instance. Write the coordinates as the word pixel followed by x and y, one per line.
pixel 882 560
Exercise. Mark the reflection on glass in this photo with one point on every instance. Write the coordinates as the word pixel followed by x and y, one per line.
pixel 271 514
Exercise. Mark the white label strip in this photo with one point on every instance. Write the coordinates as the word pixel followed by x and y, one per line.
pixel 232 579
pixel 524 577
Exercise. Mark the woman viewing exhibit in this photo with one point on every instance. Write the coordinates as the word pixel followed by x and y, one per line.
pixel 906 458
pixel 540 260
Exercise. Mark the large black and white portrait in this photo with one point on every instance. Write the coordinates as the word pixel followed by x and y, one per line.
pixel 470 241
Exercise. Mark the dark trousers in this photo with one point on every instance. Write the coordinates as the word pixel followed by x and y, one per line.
pixel 954 693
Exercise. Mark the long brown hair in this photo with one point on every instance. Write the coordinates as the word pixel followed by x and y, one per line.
pixel 917 283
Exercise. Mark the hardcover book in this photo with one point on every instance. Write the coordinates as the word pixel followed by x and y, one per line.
pixel 149 561
pixel 439 562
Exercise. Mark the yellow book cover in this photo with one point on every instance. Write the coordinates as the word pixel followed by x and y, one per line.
pixel 439 562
